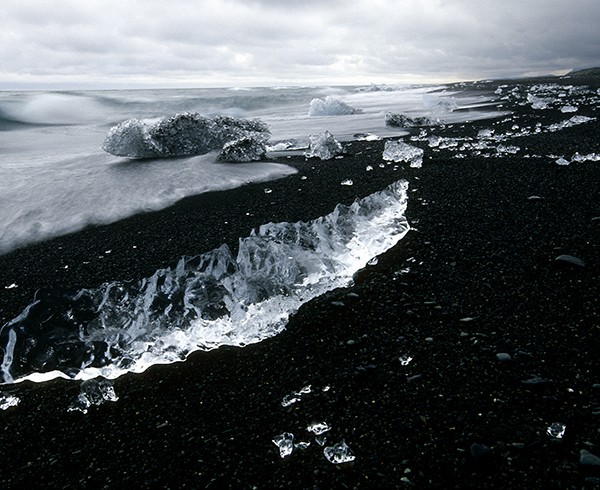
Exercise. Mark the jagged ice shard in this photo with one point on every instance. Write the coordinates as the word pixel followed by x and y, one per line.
pixel 323 146
pixel 202 303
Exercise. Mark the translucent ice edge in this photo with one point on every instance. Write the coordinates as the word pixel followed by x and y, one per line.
pixel 204 302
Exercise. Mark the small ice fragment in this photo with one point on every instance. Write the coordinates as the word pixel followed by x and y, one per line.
pixel 485 133
pixel 7 401
pixel 326 388
pixel 405 360
pixel 93 392
pixel 321 440
pixel 268 191
pixel 398 151
pixel 568 108
pixel 318 428
pixel 285 443
pixel 301 445
pixel 347 182
pixel 339 453
pixel 323 146
pixel 11 286
pixel 434 141
pixel 556 430
pixel 369 168
pixel 562 161
pixel 373 261
pixel 290 400
pixel 305 389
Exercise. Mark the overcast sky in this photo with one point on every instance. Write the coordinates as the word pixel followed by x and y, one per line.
pixel 175 43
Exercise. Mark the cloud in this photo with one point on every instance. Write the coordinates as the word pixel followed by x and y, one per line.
pixel 265 42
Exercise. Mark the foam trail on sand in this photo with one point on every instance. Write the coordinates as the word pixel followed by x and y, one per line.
pixel 204 302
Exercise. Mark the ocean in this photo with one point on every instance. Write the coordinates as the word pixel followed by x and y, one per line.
pixel 56 179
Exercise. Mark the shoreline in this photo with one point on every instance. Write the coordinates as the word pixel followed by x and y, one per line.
pixel 475 277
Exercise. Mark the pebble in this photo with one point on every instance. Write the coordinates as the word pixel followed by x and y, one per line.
pixel 480 452
pixel 570 260
pixel 535 198
pixel 536 381
pixel 588 459
pixel 503 357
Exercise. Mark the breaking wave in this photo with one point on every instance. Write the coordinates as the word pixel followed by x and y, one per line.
pixel 202 303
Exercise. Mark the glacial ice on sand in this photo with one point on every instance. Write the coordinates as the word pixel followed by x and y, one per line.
pixel 323 146
pixel 7 401
pixel 330 106
pixel 285 443
pixel 398 151
pixel 179 135
pixel 339 453
pixel 93 392
pixel 202 303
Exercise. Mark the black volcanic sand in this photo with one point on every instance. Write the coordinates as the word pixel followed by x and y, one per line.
pixel 475 277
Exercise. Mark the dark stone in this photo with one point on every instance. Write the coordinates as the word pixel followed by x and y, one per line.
pixel 480 453
pixel 588 459
pixel 569 260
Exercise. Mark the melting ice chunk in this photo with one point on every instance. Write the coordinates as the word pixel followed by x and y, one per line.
pixel 285 443
pixel 556 430
pixel 402 121
pixel 330 107
pixel 398 151
pixel 318 428
pixel 339 453
pixel 214 299
pixel 568 108
pixel 94 392
pixel 323 146
pixel 485 133
pixel 539 102
pixel 7 401
pixel 179 135
pixel 243 150
pixel 405 360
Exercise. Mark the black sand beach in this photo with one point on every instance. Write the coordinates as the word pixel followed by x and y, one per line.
pixel 475 277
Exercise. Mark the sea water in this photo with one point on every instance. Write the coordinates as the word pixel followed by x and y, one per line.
pixel 55 178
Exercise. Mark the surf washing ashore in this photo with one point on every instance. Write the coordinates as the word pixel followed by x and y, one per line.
pixel 421 311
